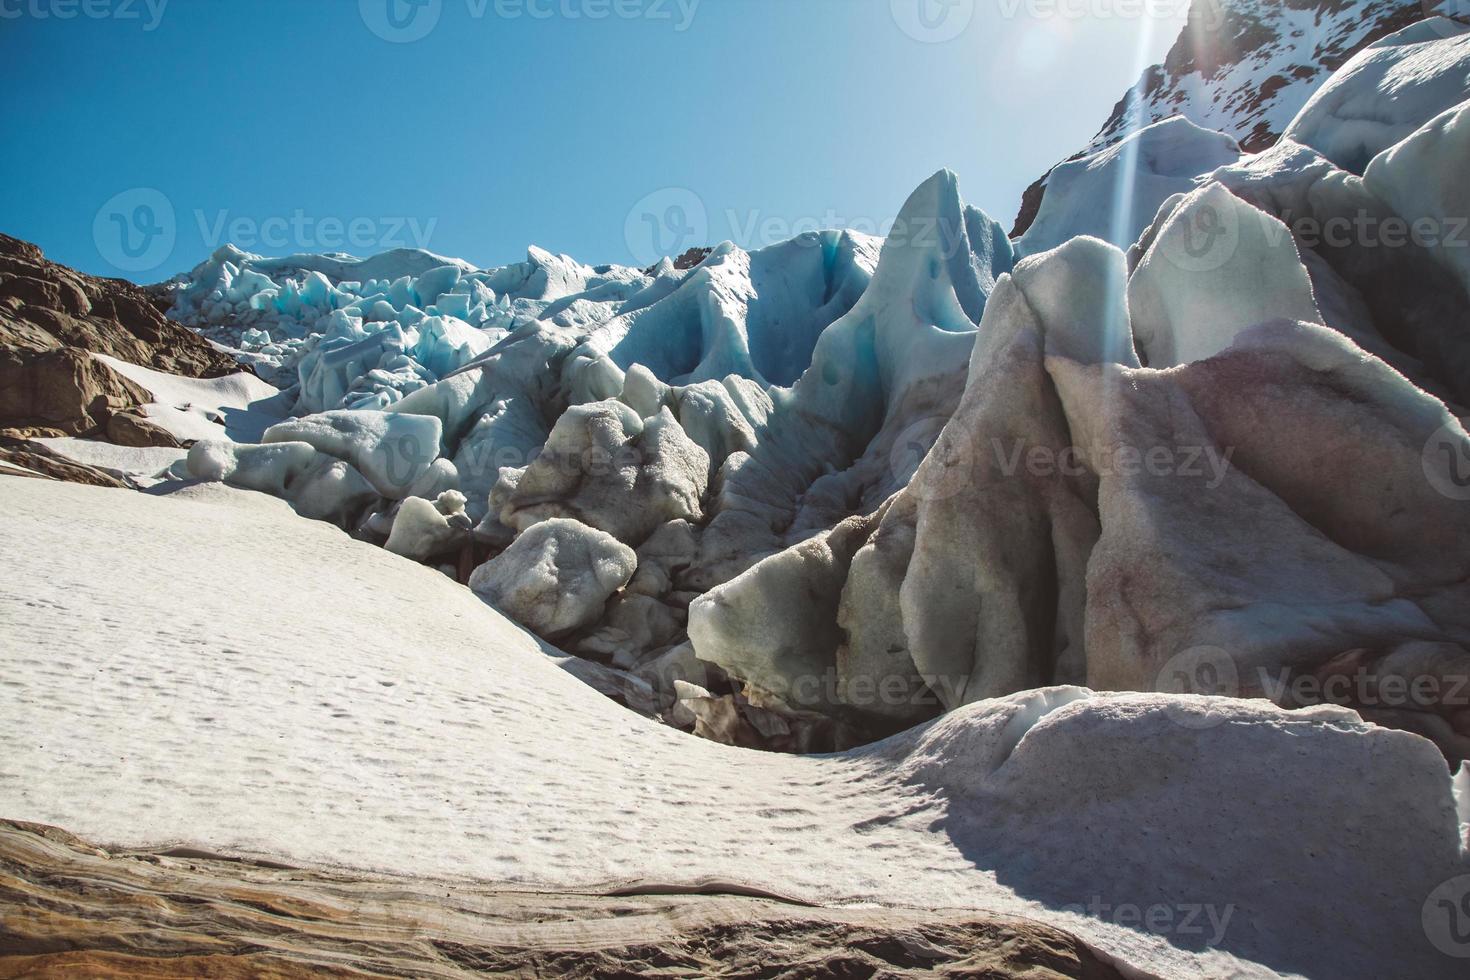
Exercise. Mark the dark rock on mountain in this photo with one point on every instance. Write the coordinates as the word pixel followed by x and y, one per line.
pixel 1244 67
pixel 132 428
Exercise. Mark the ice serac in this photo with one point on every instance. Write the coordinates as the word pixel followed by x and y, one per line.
pixel 316 485
pixel 425 528
pixel 1284 573
pixel 605 466
pixel 556 577
pixel 1113 193
pixel 1385 92
pixel 1363 255
pixel 1424 177
pixel 1083 518
pixel 754 314
pixel 993 597
pixel 391 450
pixel 1211 267
pixel 883 378
pixel 363 333
pixel 792 513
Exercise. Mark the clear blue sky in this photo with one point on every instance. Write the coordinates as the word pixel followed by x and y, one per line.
pixel 512 122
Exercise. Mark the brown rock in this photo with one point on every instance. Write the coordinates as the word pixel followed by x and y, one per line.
pixel 73 909
pixel 22 457
pixel 129 428
pixel 44 306
pixel 63 389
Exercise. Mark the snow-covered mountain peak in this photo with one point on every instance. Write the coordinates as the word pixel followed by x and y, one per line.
pixel 1247 67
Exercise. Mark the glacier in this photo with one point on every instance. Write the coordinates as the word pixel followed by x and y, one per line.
pixel 1070 556
pixel 866 481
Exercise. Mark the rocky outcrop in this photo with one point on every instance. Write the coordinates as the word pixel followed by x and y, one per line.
pixel 52 318
pixel 44 306
pixel 26 457
pixel 74 909
pixel 61 391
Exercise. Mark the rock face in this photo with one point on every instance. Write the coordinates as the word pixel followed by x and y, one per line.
pixel 179 915
pixel 25 457
pixel 1245 68
pixel 61 391
pixel 52 316
pixel 44 306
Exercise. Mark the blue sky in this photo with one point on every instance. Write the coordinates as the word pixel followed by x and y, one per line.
pixel 141 134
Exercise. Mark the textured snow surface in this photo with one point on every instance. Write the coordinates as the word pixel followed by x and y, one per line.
pixel 323 718
pixel 239 407
pixel 1386 92
pixel 143 465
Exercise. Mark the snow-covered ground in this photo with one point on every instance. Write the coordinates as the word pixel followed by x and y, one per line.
pixel 805 463
pixel 239 407
pixel 203 668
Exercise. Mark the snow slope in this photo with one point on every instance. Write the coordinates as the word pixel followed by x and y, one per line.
pixel 333 721
pixel 239 407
